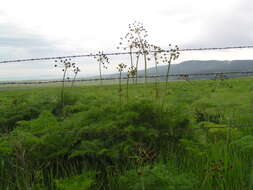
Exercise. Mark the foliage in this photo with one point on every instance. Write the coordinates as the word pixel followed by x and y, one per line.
pixel 66 64
pixel 80 182
pixel 103 61
pixel 160 177
pixel 100 144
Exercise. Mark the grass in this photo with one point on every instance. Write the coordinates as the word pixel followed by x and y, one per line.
pixel 37 150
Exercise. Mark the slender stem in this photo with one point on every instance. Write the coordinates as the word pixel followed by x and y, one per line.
pixel 137 62
pixel 120 89
pixel 131 56
pixel 156 72
pixel 63 84
pixel 73 80
pixel 167 80
pixel 145 62
pixel 167 74
pixel 127 88
pixel 131 59
pixel 100 73
pixel 142 183
pixel 145 57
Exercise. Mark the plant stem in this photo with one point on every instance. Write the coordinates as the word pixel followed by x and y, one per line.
pixel 142 183
pixel 145 57
pixel 73 80
pixel 167 74
pixel 100 73
pixel 127 88
pixel 131 59
pixel 156 82
pixel 63 84
pixel 120 89
pixel 166 85
pixel 137 62
pixel 145 61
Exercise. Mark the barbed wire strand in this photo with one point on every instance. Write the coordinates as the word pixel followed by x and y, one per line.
pixel 121 53
pixel 222 74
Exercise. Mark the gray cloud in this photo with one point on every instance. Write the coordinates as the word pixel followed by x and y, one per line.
pixel 23 41
pixel 13 39
pixel 16 43
pixel 219 29
pixel 233 29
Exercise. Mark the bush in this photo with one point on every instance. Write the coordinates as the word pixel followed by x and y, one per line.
pixel 80 182
pixel 161 177
pixel 244 145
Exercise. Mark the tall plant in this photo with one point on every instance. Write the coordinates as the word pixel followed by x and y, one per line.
pixel 157 54
pixel 136 66
pixel 121 68
pixel 76 71
pixel 128 46
pixel 65 65
pixel 140 33
pixel 135 41
pixel 170 56
pixel 103 61
pixel 130 74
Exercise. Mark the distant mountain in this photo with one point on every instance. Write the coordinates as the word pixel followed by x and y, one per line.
pixel 186 67
pixel 194 66
pixel 197 66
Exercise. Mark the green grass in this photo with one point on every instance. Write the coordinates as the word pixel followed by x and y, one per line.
pixel 146 141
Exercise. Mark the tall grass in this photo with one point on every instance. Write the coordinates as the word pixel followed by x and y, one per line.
pixel 112 148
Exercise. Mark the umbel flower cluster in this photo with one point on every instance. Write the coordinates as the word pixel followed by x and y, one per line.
pixel 66 64
pixel 121 67
pixel 102 59
pixel 135 41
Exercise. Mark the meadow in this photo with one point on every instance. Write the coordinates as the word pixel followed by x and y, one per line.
pixel 180 135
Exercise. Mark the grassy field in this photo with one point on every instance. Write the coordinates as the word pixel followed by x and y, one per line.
pixel 190 135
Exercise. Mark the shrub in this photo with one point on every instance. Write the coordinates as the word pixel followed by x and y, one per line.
pixel 161 177
pixel 80 182
pixel 244 145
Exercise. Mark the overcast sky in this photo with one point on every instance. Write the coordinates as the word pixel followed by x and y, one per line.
pixel 30 28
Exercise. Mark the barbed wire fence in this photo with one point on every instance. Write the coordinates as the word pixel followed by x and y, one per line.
pixel 123 53
pixel 183 76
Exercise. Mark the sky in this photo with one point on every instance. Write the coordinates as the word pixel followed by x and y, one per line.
pixel 30 29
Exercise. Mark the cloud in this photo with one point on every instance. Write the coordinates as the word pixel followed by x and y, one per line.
pixel 15 40
pixel 233 28
pixel 43 29
pixel 18 43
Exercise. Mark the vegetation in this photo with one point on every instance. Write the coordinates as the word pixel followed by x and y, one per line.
pixel 65 65
pixel 102 60
pixel 106 143
pixel 194 135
